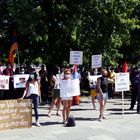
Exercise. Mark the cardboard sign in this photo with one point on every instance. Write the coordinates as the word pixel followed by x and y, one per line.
pixel 122 82
pixel 4 82
pixel 69 88
pixel 20 80
pixel 96 61
pixel 15 113
pixel 76 57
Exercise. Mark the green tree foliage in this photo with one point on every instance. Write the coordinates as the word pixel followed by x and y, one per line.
pixel 50 29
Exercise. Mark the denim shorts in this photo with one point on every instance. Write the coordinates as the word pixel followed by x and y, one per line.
pixel 102 97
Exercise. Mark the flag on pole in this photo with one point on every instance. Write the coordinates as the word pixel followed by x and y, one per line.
pixel 14 47
pixel 124 67
pixel 75 75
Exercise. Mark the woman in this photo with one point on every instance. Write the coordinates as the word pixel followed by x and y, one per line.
pixel 66 101
pixel 32 91
pixel 56 93
pixel 102 87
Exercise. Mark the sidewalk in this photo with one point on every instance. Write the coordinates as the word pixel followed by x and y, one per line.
pixel 87 125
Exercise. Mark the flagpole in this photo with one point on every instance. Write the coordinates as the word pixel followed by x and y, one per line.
pixel 18 59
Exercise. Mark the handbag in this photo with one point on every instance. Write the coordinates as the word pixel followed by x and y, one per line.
pixel 71 121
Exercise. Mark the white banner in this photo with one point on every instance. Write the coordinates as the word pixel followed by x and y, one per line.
pixel 76 57
pixel 96 61
pixel 4 82
pixel 122 82
pixel 20 80
pixel 69 88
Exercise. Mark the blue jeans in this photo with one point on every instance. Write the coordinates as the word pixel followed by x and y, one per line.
pixel 35 100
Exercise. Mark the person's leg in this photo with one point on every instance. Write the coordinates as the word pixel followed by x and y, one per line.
pixel 35 99
pixel 58 106
pixel 52 106
pixel 138 104
pixel 65 106
pixel 68 109
pixel 133 98
pixel 104 104
pixel 101 109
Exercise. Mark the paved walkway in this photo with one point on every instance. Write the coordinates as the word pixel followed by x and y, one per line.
pixel 87 125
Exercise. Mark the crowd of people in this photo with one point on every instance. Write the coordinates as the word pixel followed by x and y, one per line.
pixel 44 86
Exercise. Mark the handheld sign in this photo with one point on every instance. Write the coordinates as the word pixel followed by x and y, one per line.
pixel 20 80
pixel 4 82
pixel 76 57
pixel 96 61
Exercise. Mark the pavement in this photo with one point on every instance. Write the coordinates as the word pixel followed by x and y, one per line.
pixel 116 127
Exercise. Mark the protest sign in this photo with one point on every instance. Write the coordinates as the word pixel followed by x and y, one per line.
pixel 96 61
pixel 69 88
pixel 20 80
pixel 76 57
pixel 122 82
pixel 4 82
pixel 15 113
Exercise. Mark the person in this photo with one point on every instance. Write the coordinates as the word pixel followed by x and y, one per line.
pixel 134 77
pixel 93 92
pixel 66 101
pixel 56 100
pixel 111 83
pixel 9 94
pixel 32 91
pixel 44 81
pixel 102 88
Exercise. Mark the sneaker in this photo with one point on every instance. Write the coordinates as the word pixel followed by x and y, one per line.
pixel 49 114
pixel 131 108
pixel 38 124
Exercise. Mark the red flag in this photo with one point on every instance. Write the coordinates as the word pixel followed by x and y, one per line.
pixel 11 54
pixel 124 67
pixel 13 48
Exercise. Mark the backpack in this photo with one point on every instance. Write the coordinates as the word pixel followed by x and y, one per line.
pixel 71 121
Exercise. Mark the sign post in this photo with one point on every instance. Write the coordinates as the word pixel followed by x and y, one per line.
pixel 121 85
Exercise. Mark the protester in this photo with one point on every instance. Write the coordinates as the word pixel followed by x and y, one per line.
pixel 93 90
pixel 111 83
pixel 102 87
pixel 44 81
pixel 8 71
pixel 134 77
pixel 66 101
pixel 32 91
pixel 56 100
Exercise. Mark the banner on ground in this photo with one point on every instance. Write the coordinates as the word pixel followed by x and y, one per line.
pixel 69 88
pixel 76 57
pixel 15 113
pixel 122 82
pixel 20 80
pixel 96 61
pixel 4 82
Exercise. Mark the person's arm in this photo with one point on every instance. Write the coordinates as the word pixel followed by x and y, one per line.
pixel 99 86
pixel 25 91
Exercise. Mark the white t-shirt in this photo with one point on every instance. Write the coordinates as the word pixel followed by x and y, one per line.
pixel 33 89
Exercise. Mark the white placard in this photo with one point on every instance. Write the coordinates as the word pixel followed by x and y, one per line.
pixel 20 80
pixel 69 88
pixel 76 57
pixel 4 82
pixel 96 61
pixel 122 82
pixel 93 78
